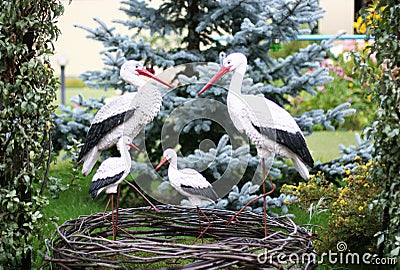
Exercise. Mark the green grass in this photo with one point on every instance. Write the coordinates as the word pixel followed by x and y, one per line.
pixel 75 201
pixel 86 92
pixel 324 145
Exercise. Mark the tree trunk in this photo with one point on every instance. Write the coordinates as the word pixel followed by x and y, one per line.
pixel 193 37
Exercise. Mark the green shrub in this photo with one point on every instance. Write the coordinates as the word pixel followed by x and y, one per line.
pixel 385 88
pixel 355 214
pixel 28 88
pixel 312 190
pixel 345 87
pixel 353 209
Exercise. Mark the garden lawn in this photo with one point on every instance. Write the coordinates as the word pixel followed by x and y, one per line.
pixel 324 145
pixel 86 92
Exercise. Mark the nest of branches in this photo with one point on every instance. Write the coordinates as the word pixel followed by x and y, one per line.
pixel 170 239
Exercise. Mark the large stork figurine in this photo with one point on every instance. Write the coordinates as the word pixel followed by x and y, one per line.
pixel 125 115
pixel 270 127
pixel 189 183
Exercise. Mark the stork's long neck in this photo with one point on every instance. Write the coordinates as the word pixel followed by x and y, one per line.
pixel 234 97
pixel 140 83
pixel 150 96
pixel 125 155
pixel 173 162
pixel 235 86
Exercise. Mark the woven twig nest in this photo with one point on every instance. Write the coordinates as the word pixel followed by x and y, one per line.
pixel 149 240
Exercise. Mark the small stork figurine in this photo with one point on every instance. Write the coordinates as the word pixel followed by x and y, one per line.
pixel 110 174
pixel 189 183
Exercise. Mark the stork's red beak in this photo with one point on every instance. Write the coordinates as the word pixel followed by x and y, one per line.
pixel 219 74
pixel 160 164
pixel 146 73
pixel 134 147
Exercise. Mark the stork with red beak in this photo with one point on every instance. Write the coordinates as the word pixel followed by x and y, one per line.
pixel 189 183
pixel 110 174
pixel 126 115
pixel 270 127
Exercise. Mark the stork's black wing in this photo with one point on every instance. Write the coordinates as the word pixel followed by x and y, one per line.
pixel 207 192
pixel 294 141
pixel 98 130
pixel 104 182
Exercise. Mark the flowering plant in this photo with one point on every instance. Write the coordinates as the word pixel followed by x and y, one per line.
pixel 363 22
pixel 353 208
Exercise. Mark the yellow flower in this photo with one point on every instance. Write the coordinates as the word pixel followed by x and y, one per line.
pixel 364 167
pixel 286 201
pixel 366 185
pixel 347 171
pixel 342 202
pixel 360 208
pixel 359 26
pixel 351 85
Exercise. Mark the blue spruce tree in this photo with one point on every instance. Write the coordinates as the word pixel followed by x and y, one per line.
pixel 184 32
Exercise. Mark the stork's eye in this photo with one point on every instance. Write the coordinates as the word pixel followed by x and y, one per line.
pixel 229 62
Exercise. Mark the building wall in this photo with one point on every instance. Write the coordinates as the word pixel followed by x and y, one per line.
pixel 339 16
pixel 83 53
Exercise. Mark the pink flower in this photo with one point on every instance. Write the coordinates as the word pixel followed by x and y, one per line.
pixel 340 73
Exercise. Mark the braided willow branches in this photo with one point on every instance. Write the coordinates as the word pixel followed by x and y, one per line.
pixel 146 239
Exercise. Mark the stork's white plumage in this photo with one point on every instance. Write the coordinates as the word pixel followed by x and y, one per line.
pixel 110 174
pixel 125 115
pixel 270 127
pixel 187 182
pixel 113 170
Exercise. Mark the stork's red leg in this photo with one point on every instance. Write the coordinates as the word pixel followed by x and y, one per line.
pixel 200 226
pixel 202 232
pixel 253 200
pixel 118 195
pixel 264 170
pixel 105 210
pixel 112 218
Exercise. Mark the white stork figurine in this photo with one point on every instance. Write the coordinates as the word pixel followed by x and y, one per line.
pixel 125 115
pixel 270 127
pixel 111 173
pixel 189 183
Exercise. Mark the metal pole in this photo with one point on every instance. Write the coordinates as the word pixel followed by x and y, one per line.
pixel 63 85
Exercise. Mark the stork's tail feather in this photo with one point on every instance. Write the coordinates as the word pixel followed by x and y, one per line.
pixel 94 192
pixel 90 161
pixel 301 168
